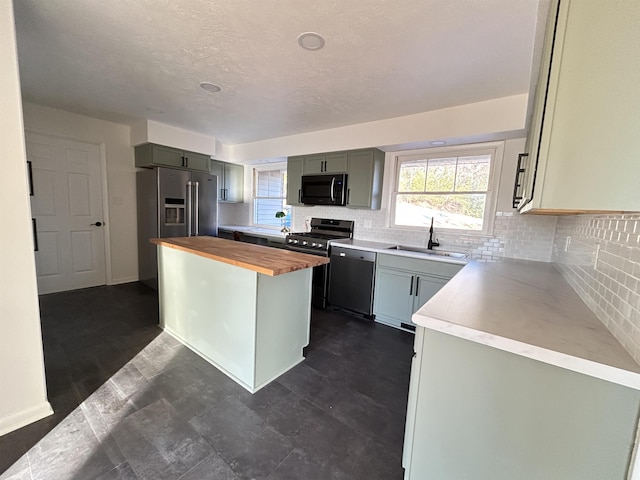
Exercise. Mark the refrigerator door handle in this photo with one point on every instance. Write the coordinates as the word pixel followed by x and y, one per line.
pixel 196 209
pixel 189 209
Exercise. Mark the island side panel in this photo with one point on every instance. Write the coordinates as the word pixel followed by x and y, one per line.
pixel 283 325
pixel 210 306
pixel 486 413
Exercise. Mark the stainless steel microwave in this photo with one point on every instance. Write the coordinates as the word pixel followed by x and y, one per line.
pixel 324 189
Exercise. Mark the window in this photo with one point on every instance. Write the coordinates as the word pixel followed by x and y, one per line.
pixel 453 186
pixel 270 187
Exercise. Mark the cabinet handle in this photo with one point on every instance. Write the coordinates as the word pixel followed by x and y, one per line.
pixel 30 172
pixel 35 234
pixel 300 195
pixel 411 286
pixel 417 285
pixel 517 197
pixel 348 195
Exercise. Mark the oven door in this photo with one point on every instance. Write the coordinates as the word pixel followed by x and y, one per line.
pixel 320 281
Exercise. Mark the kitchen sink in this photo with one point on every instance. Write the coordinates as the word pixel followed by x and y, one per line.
pixel 438 253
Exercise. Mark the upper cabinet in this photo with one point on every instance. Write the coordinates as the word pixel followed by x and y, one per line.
pixel 230 180
pixel 152 155
pixel 295 166
pixel 582 146
pixel 335 162
pixel 364 169
pixel 364 181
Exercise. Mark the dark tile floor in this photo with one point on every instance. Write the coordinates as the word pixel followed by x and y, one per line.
pixel 133 403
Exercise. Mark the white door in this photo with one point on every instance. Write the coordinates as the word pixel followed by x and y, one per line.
pixel 67 207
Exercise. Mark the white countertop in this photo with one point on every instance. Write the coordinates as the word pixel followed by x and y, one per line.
pixel 379 247
pixel 265 232
pixel 527 308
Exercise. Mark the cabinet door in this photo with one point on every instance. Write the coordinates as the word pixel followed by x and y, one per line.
pixel 393 300
pixel 233 182
pixel 335 162
pixel 196 161
pixel 294 180
pixel 217 168
pixel 314 163
pixel 535 131
pixel 167 156
pixel 412 401
pixel 426 287
pixel 360 179
pixel 150 155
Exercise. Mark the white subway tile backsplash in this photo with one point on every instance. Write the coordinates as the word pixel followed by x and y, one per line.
pixel 604 254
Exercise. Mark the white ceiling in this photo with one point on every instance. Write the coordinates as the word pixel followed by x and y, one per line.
pixel 125 60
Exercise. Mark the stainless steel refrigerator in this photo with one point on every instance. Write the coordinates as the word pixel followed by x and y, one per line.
pixel 172 203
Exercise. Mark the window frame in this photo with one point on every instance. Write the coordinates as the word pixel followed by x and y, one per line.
pixel 495 149
pixel 282 166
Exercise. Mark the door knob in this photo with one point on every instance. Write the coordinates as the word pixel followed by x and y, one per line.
pixel 97 224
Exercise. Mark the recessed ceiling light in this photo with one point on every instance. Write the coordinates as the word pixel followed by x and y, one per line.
pixel 311 41
pixel 437 143
pixel 210 87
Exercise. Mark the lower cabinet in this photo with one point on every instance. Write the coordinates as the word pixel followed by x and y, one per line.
pixel 404 284
pixel 478 412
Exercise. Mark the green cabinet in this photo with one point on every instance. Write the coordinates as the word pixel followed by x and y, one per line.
pixel 404 284
pixel 510 416
pixel 364 182
pixel 294 180
pixel 230 180
pixel 152 155
pixel 335 162
pixel 582 138
pixel 364 170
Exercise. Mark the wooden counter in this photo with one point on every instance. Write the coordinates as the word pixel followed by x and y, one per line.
pixel 265 260
pixel 246 309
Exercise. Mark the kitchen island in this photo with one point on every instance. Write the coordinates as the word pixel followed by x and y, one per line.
pixel 514 377
pixel 244 308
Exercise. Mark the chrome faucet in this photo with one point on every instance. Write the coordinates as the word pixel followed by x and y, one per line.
pixel 432 243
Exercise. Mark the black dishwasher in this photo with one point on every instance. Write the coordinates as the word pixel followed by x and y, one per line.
pixel 351 277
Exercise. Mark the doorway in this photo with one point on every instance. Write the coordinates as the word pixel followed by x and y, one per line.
pixel 67 208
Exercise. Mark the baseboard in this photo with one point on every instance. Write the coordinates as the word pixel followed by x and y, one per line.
pixel 25 417
pixel 119 281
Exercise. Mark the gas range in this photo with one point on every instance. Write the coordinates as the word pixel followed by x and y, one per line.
pixel 318 240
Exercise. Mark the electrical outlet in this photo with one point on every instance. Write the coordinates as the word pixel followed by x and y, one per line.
pixel 567 243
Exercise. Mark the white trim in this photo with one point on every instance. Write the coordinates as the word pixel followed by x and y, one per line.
pixel 105 192
pixel 266 167
pixel 105 213
pixel 496 149
pixel 120 281
pixel 25 417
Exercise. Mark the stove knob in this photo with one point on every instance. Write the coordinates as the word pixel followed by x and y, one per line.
pixel 295 241
pixel 304 242
pixel 320 245
pixel 314 244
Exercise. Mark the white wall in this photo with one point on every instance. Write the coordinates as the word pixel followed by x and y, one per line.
pixel 490 120
pixel 148 131
pixel 121 182
pixel 23 397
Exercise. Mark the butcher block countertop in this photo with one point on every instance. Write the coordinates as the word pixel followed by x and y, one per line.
pixel 265 260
